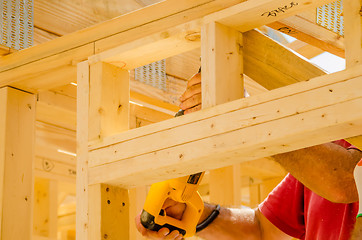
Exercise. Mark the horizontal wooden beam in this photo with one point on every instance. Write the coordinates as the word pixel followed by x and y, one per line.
pixel 53 63
pixel 273 65
pixel 251 14
pixel 311 33
pixel 168 43
pixel 241 130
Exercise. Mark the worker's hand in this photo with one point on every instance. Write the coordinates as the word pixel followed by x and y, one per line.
pixel 191 98
pixel 174 210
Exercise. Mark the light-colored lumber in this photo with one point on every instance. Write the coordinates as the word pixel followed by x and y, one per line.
pixel 42 73
pixel 308 31
pixel 54 61
pixel 17 135
pixel 109 213
pixel 185 65
pixel 353 36
pixel 306 50
pixel 153 48
pixel 55 170
pixel 62 18
pixel 222 64
pixel 138 197
pixel 4 50
pixel 251 14
pixel 242 130
pixel 353 31
pixel 272 65
pixel 222 81
pixel 82 214
pixel 45 208
pixel 41 36
pixel 109 101
pixel 105 213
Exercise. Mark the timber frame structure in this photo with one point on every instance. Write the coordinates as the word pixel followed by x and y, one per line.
pixel 301 105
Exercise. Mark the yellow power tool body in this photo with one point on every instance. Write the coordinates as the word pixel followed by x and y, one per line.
pixel 183 190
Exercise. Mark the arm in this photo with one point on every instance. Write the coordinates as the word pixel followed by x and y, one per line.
pixel 230 224
pixel 330 164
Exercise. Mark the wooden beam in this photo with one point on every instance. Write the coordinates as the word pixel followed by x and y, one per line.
pixel 222 81
pixel 106 112
pixel 217 132
pixel 45 208
pixel 353 31
pixel 353 36
pixel 251 14
pixel 311 33
pixel 272 65
pixel 153 48
pixel 52 63
pixel 109 101
pixel 4 50
pixel 42 73
pixel 82 213
pixel 17 135
pixel 47 65
pixel 109 216
pixel 306 50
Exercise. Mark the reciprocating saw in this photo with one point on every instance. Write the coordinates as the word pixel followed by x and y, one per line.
pixel 183 190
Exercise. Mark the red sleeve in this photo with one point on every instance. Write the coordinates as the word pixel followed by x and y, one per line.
pixel 345 144
pixel 284 207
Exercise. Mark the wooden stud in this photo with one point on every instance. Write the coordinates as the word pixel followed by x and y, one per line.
pixel 17 129
pixel 82 213
pixel 353 31
pixel 109 212
pixel 45 208
pixel 222 81
pixel 108 113
pixel 109 102
pixel 353 39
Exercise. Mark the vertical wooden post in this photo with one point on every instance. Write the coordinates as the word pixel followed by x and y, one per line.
pixel 353 31
pixel 82 214
pixel 137 198
pixel 45 208
pixel 107 214
pixel 17 134
pixel 353 41
pixel 222 81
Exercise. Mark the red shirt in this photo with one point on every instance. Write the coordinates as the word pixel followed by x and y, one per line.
pixel 302 214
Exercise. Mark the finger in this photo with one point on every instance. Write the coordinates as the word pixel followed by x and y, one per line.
pixel 193 90
pixel 161 234
pixel 173 235
pixel 194 109
pixel 139 225
pixel 195 79
pixel 191 102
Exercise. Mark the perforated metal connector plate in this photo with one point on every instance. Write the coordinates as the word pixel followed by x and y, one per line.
pixel 330 16
pixel 153 74
pixel 16 23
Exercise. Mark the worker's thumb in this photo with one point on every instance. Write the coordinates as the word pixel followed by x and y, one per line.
pixel 358 178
